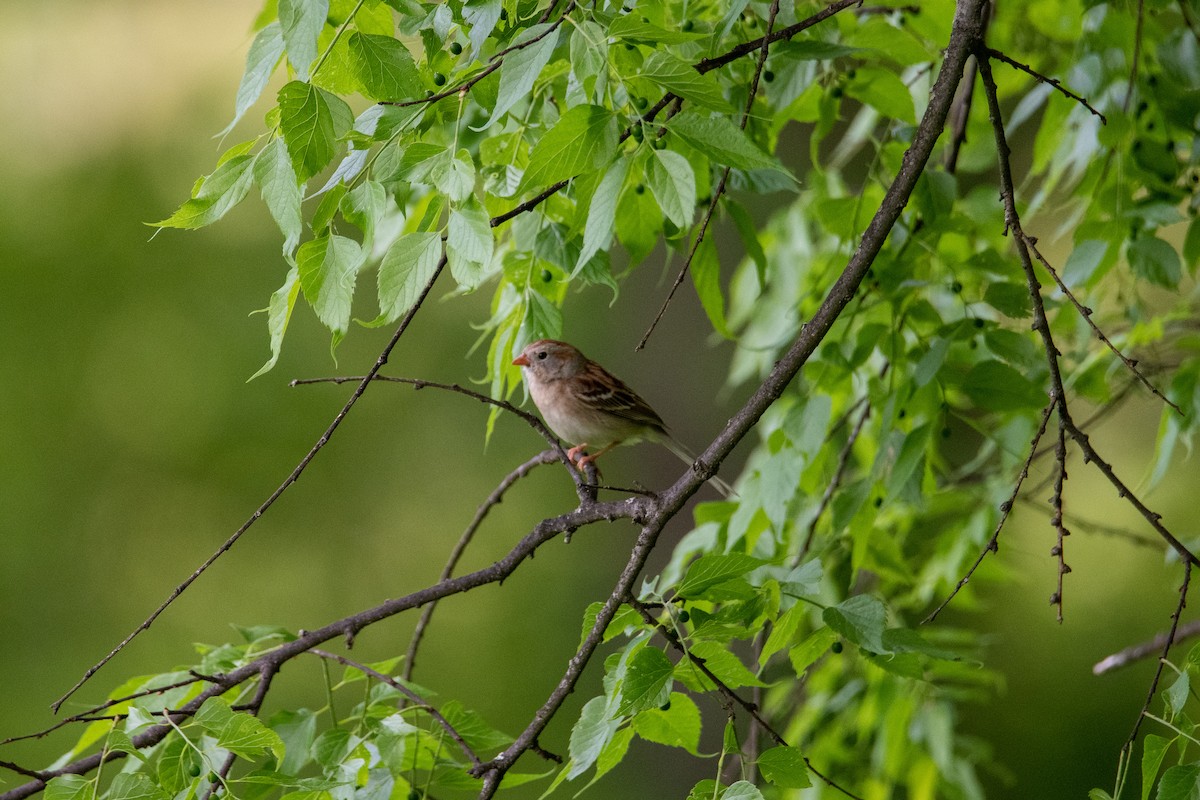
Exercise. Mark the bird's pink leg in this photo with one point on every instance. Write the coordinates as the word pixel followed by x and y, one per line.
pixel 573 453
pixel 585 460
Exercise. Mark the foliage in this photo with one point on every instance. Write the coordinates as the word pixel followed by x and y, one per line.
pixel 533 148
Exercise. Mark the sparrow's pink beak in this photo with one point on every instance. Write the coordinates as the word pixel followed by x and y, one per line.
pixel 521 361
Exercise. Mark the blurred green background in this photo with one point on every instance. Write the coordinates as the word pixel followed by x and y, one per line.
pixel 133 445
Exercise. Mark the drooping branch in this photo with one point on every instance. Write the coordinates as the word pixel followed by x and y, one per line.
pixel 275 495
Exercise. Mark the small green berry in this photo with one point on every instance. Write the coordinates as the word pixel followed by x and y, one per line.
pixel 878 502
pixel 956 287
pixel 684 616
pixel 439 79
pixel 836 92
pixel 504 14
pixel 979 323
pixel 546 276
pixel 945 433
pixel 455 48
pixel 640 189
pixel 836 647
pixel 688 25
pixel 665 706
pixel 768 76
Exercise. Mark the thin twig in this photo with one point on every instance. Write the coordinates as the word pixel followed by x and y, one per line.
pixel 497 495
pixel 1137 652
pixel 1056 518
pixel 275 495
pixel 731 697
pixel 1053 82
pixel 1137 56
pixel 1086 313
pixel 834 482
pixel 993 544
pixel 407 692
pixel 1127 749
pixel 720 190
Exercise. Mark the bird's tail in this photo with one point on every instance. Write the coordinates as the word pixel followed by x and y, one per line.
pixel 688 457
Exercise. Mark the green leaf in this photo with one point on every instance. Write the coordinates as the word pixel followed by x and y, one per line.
pixel 1180 783
pixel 742 790
pixel 301 22
pixel 70 787
pixel 454 175
pixel 473 728
pixel 583 139
pixel 706 277
pixel 281 191
pixel 521 69
pixel 682 79
pixel 784 766
pixel 783 632
pixel 328 270
pixel 237 731
pixel 674 186
pixel 1083 262
pixel 726 666
pixel 384 67
pixel 1191 245
pixel 1177 693
pixel 713 569
pixel 647 681
pixel 677 726
pixel 1010 299
pixel 995 385
pixel 1154 748
pixel 542 319
pixel 279 313
pixel 614 752
pixel 264 54
pixel 1154 260
pixel 311 120
pixel 406 268
pixel 481 17
pixel 633 28
pixel 297 730
pixel 215 195
pixel 590 735
pixel 469 244
pixel 860 619
pixel 135 786
pixel 883 90
pixel 602 214
pixel 722 141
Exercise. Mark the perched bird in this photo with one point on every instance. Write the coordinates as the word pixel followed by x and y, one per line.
pixel 586 405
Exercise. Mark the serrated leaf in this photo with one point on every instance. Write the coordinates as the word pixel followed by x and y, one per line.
pixel 726 666
pixel 384 67
pixel 521 69
pixel 328 270
pixel 632 28
pixel 742 790
pixel 264 54
pixel 782 632
pixel 1083 262
pixel 311 120
pixel 281 191
pixel 583 139
pixel 1177 693
pixel 406 268
pixel 454 175
pixel 70 787
pixel 1154 748
pixel 784 766
pixel 602 214
pixel 673 184
pixel 647 681
pixel 135 786
pixel 590 735
pixel 860 619
pixel 481 17
pixel 677 726
pixel 1154 260
pixel 301 22
pixel 1180 783
pixel 722 141
pixel 713 569
pixel 680 78
pixel 237 731
pixel 215 196
pixel 279 313
pixel 469 244
pixel 884 91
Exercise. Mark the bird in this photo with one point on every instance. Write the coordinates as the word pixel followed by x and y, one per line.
pixel 588 406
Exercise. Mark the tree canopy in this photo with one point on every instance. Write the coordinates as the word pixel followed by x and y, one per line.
pixel 961 232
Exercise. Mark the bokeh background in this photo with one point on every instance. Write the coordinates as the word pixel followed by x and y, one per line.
pixel 132 445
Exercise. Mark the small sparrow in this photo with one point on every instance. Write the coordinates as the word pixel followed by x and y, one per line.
pixel 585 404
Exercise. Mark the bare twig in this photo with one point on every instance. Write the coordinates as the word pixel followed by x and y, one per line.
pixel 834 482
pixel 1137 652
pixel 275 495
pixel 1127 749
pixel 1137 55
pixel 720 190
pixel 1056 519
pixel 993 544
pixel 544 457
pixel 407 692
pixel 1053 82
pixel 1086 313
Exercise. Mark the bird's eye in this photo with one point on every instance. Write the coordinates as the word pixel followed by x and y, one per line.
pixel 541 355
